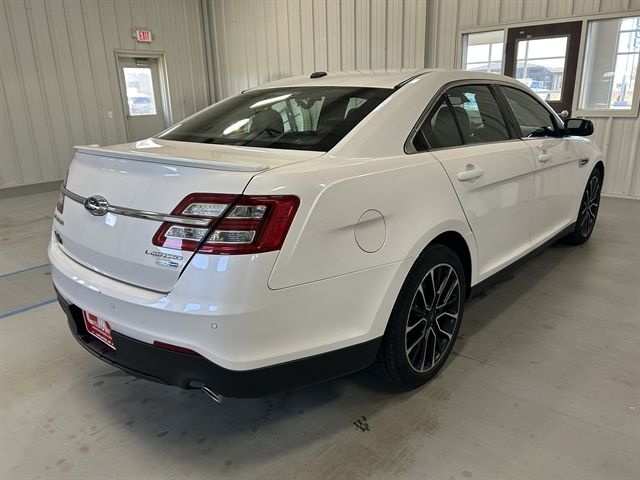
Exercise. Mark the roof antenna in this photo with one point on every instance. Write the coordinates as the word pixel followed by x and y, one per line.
pixel 318 74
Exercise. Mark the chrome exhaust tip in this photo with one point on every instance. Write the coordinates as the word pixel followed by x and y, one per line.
pixel 216 397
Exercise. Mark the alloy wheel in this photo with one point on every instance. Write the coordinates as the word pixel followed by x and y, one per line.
pixel 589 206
pixel 433 316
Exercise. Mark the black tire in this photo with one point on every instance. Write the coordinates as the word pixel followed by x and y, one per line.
pixel 588 212
pixel 396 360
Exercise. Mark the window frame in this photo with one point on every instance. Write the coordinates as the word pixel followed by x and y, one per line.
pixel 585 19
pixel 512 128
pixel 603 112
pixel 462 55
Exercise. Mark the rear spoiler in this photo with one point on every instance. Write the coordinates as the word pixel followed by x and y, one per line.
pixel 158 158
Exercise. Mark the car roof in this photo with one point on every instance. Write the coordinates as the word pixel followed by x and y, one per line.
pixel 379 79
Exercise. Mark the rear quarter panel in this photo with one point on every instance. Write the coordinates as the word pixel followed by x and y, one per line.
pixel 412 193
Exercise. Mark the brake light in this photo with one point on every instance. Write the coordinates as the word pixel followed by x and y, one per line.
pixel 60 204
pixel 242 224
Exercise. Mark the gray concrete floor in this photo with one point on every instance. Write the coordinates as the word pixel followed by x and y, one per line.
pixel 544 383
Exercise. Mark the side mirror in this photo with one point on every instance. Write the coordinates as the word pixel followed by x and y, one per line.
pixel 579 127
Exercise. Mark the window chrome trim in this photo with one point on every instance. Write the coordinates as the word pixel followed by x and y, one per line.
pixel 144 214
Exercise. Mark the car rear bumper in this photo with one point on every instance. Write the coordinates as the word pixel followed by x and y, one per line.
pixel 230 317
pixel 192 371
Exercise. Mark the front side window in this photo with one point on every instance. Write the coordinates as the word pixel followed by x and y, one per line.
pixel 299 118
pixel 534 119
pixel 610 65
pixel 478 114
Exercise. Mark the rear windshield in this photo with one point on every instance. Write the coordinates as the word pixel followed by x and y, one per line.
pixel 302 118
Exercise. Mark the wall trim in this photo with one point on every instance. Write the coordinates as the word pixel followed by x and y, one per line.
pixel 621 195
pixel 30 189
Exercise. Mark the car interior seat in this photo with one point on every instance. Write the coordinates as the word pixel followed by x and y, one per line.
pixel 266 124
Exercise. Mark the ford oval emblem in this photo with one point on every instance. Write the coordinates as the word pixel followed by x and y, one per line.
pixel 97 205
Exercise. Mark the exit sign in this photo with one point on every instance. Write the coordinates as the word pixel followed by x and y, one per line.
pixel 143 36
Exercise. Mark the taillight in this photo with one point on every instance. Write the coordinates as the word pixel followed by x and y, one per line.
pixel 242 224
pixel 60 204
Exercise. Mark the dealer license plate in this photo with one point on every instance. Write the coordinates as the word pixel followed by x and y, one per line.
pixel 99 328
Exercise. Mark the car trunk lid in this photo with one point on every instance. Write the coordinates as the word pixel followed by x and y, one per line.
pixel 149 176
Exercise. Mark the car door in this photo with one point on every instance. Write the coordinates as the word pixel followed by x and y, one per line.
pixel 490 169
pixel 556 164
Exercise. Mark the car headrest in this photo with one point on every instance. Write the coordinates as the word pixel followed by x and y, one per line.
pixel 267 121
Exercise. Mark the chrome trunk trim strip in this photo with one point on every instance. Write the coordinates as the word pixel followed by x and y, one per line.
pixel 145 214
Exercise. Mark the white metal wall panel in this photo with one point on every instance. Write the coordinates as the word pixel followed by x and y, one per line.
pixel 58 77
pixel 259 41
pixel 536 8
pixel 618 137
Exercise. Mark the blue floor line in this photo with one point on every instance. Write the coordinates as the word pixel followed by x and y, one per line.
pixel 27 308
pixel 24 270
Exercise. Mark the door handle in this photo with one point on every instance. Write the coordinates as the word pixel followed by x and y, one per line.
pixel 544 157
pixel 470 175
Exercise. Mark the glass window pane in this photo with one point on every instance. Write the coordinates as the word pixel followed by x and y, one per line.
pixel 439 129
pixel 632 23
pixel 496 51
pixel 610 64
pixel 298 118
pixel 140 97
pixel 534 119
pixel 495 67
pixel 629 42
pixel 478 114
pixel 542 48
pixel 483 51
pixel 478 53
pixel 624 80
pixel 541 64
pixel 354 102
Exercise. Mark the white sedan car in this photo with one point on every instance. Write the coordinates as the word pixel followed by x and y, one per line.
pixel 315 226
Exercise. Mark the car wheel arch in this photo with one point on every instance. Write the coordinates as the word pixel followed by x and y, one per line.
pixel 455 241
pixel 600 166
pixel 458 237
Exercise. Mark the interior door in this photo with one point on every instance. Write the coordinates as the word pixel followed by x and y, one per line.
pixel 556 164
pixel 545 58
pixel 490 170
pixel 141 96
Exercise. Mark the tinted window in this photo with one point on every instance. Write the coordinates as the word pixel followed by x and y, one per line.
pixel 478 114
pixel 303 118
pixel 438 130
pixel 534 119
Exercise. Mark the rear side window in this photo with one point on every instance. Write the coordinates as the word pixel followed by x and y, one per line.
pixel 464 115
pixel 302 118
pixel 439 129
pixel 479 116
pixel 534 119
